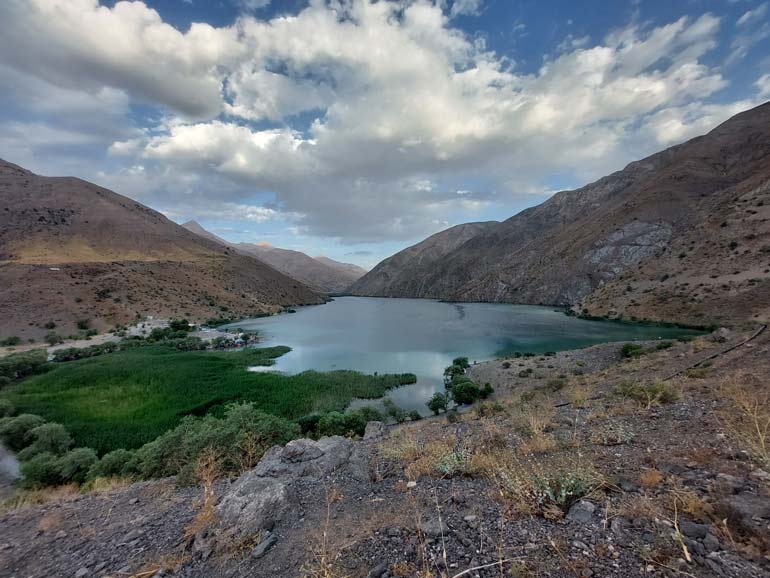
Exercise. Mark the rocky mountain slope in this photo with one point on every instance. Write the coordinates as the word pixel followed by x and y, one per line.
pixel 681 235
pixel 321 273
pixel 403 274
pixel 71 250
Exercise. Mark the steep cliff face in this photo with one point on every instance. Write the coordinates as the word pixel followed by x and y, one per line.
pixel 404 274
pixel 682 234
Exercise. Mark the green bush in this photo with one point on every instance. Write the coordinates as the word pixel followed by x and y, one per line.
pixel 14 431
pixel 53 338
pixel 393 411
pixel 52 438
pixel 648 394
pixel 7 409
pixel 112 464
pixel 41 471
pixel 369 413
pixel 23 363
pixel 244 432
pixel 461 362
pixel 451 372
pixel 562 489
pixel 438 403
pixel 487 390
pixel 465 393
pixel 75 465
pixel 631 350
pixel 179 325
pixel 83 324
pixel 10 341
pixel 309 423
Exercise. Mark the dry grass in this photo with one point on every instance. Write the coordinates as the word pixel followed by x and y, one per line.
pixel 650 478
pixel 208 470
pixel 26 498
pixel 167 563
pixel 747 415
pixel 325 555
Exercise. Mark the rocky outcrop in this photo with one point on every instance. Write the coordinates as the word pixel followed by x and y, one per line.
pixel 261 497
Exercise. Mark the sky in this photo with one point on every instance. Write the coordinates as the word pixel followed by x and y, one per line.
pixel 354 128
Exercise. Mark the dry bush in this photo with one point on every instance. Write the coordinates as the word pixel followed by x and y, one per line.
pixel 165 564
pixel 208 469
pixel 650 478
pixel 534 420
pixel 324 562
pixel 579 394
pixel 648 394
pixel 747 415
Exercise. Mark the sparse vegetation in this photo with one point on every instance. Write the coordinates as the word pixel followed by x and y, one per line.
pixel 648 394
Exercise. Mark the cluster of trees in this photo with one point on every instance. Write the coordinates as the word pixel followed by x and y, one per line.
pixel 460 388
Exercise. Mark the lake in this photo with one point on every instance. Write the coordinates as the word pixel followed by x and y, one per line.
pixel 422 336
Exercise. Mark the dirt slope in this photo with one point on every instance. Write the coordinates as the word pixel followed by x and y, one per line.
pixel 72 250
pixel 691 222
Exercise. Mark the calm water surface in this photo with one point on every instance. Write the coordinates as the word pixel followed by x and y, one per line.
pixel 422 337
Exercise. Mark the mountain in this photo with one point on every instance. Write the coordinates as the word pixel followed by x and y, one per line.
pixel 682 235
pixel 403 274
pixel 196 228
pixel 321 273
pixel 71 250
pixel 312 272
pixel 349 268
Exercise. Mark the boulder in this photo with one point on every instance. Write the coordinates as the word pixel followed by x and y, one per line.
pixel 304 457
pixel 721 335
pixel 254 503
pixel 374 430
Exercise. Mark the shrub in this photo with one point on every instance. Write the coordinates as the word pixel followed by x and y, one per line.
pixel 631 350
pixel 487 390
pixel 83 324
pixel 465 393
pixel 52 438
pixel 309 423
pixel 461 362
pixel 22 364
pixel 335 423
pixel 53 338
pixel 179 325
pixel 75 464
pixel 14 431
pixel 41 471
pixel 369 413
pixel 414 415
pixel 562 490
pixel 240 438
pixel 393 411
pixel 648 394
pixel 10 341
pixel 439 402
pixel 6 408
pixel 112 464
pixel 49 325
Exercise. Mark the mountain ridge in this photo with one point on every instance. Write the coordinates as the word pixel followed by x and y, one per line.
pixel 93 254
pixel 584 248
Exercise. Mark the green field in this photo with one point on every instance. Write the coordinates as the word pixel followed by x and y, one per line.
pixel 128 398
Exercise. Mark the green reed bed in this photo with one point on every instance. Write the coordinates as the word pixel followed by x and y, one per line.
pixel 127 398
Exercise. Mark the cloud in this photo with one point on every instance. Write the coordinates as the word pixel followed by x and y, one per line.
pixel 753 16
pixel 363 121
pixel 763 86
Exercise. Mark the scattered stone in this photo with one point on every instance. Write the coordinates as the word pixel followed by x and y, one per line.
pixel 433 528
pixel 582 512
pixel 711 543
pixel 374 430
pixel 60 535
pixel 268 541
pixel 693 530
pixel 377 571
pixel 82 573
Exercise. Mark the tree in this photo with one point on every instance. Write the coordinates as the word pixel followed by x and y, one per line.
pixel 439 402
pixel 75 464
pixel 465 393
pixel 462 362
pixel 14 431
pixel 452 371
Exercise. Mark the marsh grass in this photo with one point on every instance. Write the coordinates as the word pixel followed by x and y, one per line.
pixel 127 398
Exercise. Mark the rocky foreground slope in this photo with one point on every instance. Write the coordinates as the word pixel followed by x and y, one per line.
pixel 73 251
pixel 566 473
pixel 681 235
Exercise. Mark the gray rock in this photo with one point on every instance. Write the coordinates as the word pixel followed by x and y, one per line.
pixel 433 528
pixel 581 511
pixel 721 335
pixel 268 541
pixel 82 573
pixel 711 543
pixel 693 530
pixel 748 506
pixel 374 430
pixel 377 571
pixel 255 503
pixel 304 457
